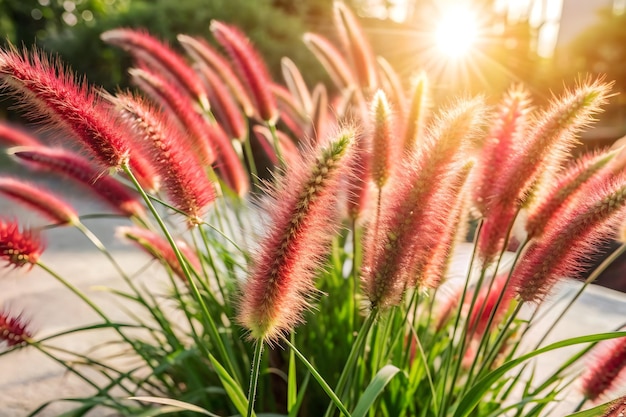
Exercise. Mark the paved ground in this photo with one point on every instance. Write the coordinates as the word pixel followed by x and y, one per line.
pixel 27 378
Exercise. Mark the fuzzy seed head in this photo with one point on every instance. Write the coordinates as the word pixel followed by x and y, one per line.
pixel 606 369
pixel 52 94
pixel 14 136
pixel 38 199
pixel 410 214
pixel 383 151
pixel 416 118
pixel 147 48
pixel 303 218
pixel 570 238
pixel 183 177
pixel 83 172
pixel 250 67
pixel 14 331
pixel 160 249
pixel 19 247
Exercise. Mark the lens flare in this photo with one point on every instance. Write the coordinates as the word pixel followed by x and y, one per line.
pixel 456 32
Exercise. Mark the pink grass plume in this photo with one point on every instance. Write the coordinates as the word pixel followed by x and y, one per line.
pixel 225 108
pixel 191 123
pixel 84 173
pixel 492 300
pixel 383 141
pixel 449 211
pixel 579 174
pixel 228 165
pixel 296 85
pixel 14 136
pixel 14 330
pixel 184 178
pixel 415 121
pixel 145 47
pixel 250 67
pixel 38 199
pixel 570 237
pixel 606 369
pixel 541 151
pixel 203 53
pixel 409 211
pixel 500 146
pixel 302 220
pixel 51 94
pixel 19 248
pixel 357 46
pixel 158 247
pixel 331 59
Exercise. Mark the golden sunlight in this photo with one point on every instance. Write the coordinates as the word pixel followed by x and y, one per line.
pixel 456 32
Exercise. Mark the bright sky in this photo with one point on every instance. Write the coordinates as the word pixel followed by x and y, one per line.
pixel 547 12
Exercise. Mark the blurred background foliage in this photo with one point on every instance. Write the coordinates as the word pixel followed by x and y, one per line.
pixel 507 52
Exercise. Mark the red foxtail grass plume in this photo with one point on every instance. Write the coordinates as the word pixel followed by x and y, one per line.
pixel 19 247
pixel 492 301
pixel 225 109
pixel 564 188
pixel 320 120
pixel 451 208
pixel 390 254
pixel 14 136
pixel 288 149
pixel 191 123
pixel 301 226
pixel 158 247
pixel 291 114
pixel 14 331
pixel 540 153
pixel 250 66
pixel 499 148
pixel 359 190
pixel 144 47
pixel 570 237
pixel 357 46
pixel 383 143
pixel 51 94
pixel 296 85
pixel 203 53
pixel 38 199
pixel 331 59
pixel 83 172
pixel 184 179
pixel 416 117
pixel 392 86
pixel 606 370
pixel 229 165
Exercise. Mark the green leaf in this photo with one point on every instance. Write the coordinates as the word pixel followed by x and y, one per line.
pixel 474 395
pixel 597 411
pixel 374 389
pixel 174 405
pixel 233 390
pixel 293 412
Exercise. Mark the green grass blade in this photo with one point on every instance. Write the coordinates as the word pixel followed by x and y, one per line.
pixel 374 389
pixel 597 411
pixel 474 395
pixel 292 383
pixel 232 388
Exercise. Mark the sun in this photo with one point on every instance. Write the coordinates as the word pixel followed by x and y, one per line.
pixel 456 32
